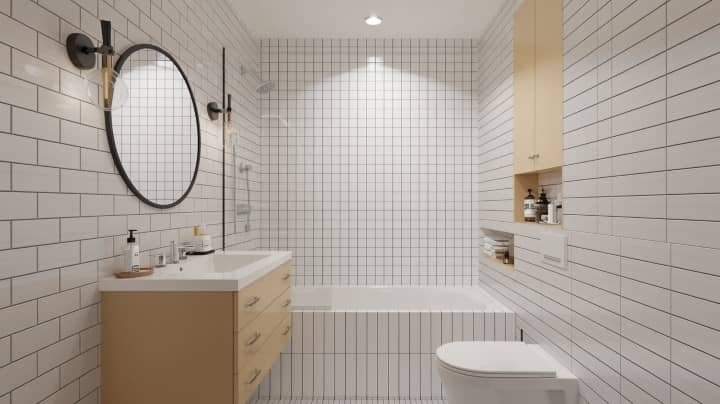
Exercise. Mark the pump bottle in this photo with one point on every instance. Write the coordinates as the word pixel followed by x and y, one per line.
pixel 132 253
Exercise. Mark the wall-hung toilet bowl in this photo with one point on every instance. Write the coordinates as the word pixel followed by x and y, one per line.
pixel 479 372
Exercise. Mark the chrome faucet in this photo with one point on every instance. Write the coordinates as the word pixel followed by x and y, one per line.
pixel 174 256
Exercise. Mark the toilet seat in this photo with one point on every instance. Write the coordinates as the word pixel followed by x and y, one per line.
pixel 501 359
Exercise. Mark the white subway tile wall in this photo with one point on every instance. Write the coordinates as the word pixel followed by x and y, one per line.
pixel 367 159
pixel 635 314
pixel 374 355
pixel 64 210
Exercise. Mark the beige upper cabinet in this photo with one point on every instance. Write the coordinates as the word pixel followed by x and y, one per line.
pixel 537 77
pixel 524 87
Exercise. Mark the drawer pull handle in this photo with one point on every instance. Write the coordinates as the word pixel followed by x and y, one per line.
pixel 287 303
pixel 255 376
pixel 286 276
pixel 252 302
pixel 287 330
pixel 253 339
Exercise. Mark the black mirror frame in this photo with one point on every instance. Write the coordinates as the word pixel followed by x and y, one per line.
pixel 111 136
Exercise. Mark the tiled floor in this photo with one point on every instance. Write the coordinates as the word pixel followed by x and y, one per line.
pixel 326 401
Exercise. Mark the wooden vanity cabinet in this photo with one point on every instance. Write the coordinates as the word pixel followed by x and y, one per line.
pixel 193 347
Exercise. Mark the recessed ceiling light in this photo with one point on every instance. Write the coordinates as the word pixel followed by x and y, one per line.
pixel 373 20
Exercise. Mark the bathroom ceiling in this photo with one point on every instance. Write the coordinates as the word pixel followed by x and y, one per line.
pixel 345 18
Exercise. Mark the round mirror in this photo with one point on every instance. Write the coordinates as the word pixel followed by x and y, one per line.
pixel 154 136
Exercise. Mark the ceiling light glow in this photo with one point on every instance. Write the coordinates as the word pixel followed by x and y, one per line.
pixel 373 20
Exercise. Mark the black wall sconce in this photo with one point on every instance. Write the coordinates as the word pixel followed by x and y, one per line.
pixel 82 50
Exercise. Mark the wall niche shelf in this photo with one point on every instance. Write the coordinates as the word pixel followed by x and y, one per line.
pixel 495 263
pixel 550 180
pixel 497 242
pixel 526 229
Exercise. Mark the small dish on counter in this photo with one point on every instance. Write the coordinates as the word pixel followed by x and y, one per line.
pixel 134 274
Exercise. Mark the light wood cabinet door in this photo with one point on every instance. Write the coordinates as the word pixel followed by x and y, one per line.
pixel 524 83
pixel 167 347
pixel 548 85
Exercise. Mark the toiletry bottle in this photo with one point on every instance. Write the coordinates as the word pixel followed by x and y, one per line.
pixel 506 257
pixel 197 244
pixel 529 207
pixel 132 253
pixel 552 212
pixel 541 207
pixel 558 212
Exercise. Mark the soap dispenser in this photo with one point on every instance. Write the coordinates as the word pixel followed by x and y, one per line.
pixel 132 253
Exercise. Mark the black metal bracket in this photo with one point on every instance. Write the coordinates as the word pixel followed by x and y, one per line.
pixel 81 50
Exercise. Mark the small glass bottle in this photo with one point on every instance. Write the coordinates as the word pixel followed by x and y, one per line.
pixel 541 206
pixel 529 209
pixel 506 257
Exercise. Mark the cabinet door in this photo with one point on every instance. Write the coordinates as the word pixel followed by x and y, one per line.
pixel 524 87
pixel 167 347
pixel 548 85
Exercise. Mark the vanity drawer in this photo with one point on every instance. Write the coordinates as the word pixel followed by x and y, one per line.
pixel 279 339
pixel 252 338
pixel 248 378
pixel 257 364
pixel 255 298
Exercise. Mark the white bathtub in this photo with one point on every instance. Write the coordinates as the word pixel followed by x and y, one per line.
pixel 378 342
pixel 394 299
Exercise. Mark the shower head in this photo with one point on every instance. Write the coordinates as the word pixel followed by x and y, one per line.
pixel 265 87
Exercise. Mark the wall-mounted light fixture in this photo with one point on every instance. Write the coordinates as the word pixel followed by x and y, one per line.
pixel 82 50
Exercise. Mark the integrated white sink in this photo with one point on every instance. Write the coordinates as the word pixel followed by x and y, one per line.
pixel 221 271
pixel 217 263
pixel 233 262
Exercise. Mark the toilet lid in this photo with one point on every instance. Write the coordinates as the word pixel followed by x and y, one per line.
pixel 496 359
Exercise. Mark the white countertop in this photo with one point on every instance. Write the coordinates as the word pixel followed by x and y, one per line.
pixel 219 272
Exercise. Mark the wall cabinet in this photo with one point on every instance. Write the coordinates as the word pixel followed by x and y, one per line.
pixel 537 76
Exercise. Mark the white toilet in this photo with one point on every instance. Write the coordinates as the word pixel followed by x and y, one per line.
pixel 479 372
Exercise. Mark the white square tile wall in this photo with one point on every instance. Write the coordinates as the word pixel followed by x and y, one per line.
pixel 63 208
pixel 367 159
pixel 635 316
